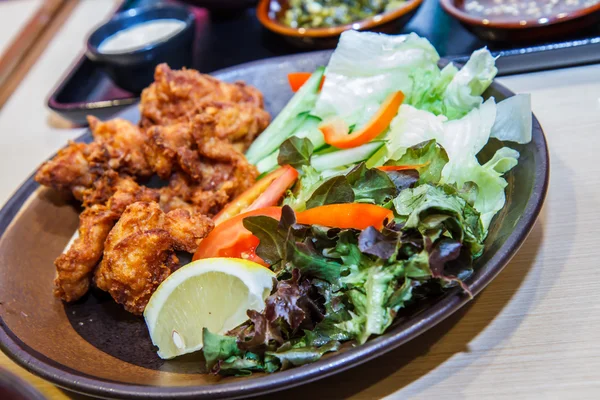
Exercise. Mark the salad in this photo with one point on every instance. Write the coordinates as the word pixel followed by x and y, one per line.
pixel 374 197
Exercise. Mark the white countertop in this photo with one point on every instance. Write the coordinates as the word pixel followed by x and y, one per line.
pixel 533 333
pixel 13 15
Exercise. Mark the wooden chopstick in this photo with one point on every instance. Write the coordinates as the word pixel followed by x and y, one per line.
pixel 26 39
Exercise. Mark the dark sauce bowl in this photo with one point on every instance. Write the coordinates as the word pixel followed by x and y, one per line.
pixel 134 70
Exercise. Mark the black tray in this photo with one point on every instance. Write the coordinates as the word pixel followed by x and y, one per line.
pixel 224 41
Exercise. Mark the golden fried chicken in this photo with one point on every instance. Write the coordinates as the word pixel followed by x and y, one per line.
pixel 122 141
pixel 224 167
pixel 74 267
pixel 105 204
pixel 192 133
pixel 178 96
pixel 117 146
pixel 172 147
pixel 183 192
pixel 216 174
pixel 117 191
pixel 237 123
pixel 140 251
pixel 70 170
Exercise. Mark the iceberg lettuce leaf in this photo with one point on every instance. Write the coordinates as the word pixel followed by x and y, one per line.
pixel 451 92
pixel 514 120
pixel 366 67
pixel 464 91
pixel 462 139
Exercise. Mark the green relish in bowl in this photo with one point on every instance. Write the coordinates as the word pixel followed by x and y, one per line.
pixel 330 13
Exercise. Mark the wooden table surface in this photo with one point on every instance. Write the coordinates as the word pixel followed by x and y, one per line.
pixel 532 334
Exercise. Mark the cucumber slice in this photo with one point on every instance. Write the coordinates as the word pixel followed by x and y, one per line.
pixel 345 157
pixel 309 129
pixel 378 158
pixel 288 120
pixel 268 163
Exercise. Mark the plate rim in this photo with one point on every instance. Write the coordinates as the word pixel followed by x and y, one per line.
pixel 70 379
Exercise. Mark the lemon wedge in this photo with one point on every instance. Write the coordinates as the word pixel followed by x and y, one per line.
pixel 212 293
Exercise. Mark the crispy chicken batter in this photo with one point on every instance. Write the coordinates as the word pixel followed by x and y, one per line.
pixel 117 146
pixel 177 96
pixel 197 150
pixel 70 170
pixel 237 123
pixel 75 266
pixel 214 176
pixel 122 141
pixel 224 168
pixel 117 192
pixel 172 147
pixel 140 251
pixel 192 133
pixel 182 190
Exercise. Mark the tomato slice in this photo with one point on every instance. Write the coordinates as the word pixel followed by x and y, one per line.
pixel 265 192
pixel 231 239
pixel 345 216
pixel 297 79
pixel 336 130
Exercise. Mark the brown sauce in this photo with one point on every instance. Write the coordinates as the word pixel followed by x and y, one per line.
pixel 524 10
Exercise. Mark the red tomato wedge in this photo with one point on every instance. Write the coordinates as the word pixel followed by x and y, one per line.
pixel 336 130
pixel 345 216
pixel 265 192
pixel 231 239
pixel 401 167
pixel 297 79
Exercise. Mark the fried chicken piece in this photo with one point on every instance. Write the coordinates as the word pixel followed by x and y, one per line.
pixel 140 251
pixel 224 168
pixel 70 170
pixel 177 96
pixel 117 192
pixel 178 194
pixel 74 267
pixel 237 123
pixel 123 142
pixel 106 203
pixel 172 147
pixel 192 132
pixel 182 192
pixel 117 146
pixel 219 174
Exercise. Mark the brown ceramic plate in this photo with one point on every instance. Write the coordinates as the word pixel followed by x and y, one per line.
pixel 95 347
pixel 556 25
pixel 269 11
